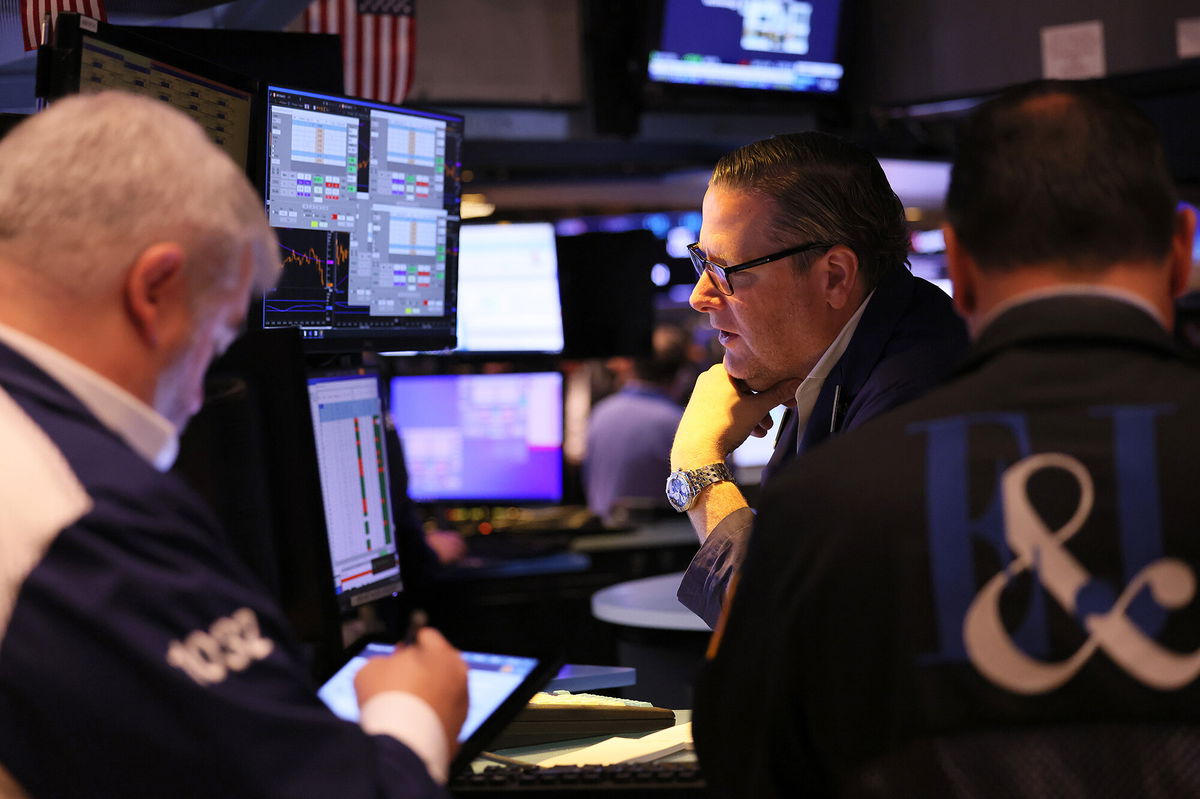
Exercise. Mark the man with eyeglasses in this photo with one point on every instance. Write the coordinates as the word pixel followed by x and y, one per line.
pixel 1003 600
pixel 801 268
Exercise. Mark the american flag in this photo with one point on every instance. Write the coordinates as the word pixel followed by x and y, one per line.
pixel 377 43
pixel 34 11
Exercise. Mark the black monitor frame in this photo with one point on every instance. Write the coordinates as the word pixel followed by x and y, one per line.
pixel 60 69
pixel 379 588
pixel 406 334
pixel 534 357
pixel 664 95
pixel 251 453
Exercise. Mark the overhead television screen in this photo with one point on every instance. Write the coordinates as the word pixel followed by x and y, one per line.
pixel 364 199
pixel 779 45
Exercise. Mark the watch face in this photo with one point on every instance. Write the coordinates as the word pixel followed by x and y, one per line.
pixel 679 491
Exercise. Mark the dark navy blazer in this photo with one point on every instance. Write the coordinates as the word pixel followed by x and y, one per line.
pixel 93 701
pixel 907 340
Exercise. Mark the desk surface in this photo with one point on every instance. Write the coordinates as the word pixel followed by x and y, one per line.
pixel 496 568
pixel 667 533
pixel 649 602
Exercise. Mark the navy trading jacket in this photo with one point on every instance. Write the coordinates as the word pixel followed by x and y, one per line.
pixel 138 656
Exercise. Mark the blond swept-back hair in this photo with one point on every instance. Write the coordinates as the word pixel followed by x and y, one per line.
pixel 90 183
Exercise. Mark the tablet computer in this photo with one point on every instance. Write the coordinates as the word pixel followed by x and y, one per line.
pixel 499 687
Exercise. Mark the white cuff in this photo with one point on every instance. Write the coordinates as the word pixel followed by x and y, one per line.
pixel 410 720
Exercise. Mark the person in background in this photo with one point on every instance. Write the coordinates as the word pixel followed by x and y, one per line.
pixel 801 268
pixel 992 591
pixel 138 655
pixel 630 432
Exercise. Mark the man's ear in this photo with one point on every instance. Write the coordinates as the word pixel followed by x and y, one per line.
pixel 155 291
pixel 962 270
pixel 1182 243
pixel 839 275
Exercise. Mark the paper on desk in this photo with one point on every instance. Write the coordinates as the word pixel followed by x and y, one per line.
pixel 628 750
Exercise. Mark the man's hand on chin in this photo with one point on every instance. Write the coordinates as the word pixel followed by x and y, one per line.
pixel 721 414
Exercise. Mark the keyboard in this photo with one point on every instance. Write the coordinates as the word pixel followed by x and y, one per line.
pixel 666 780
pixel 563 716
pixel 503 546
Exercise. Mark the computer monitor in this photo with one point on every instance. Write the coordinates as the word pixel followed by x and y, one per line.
pixel 596 267
pixel 348 425
pixel 91 56
pixel 492 438
pixel 293 58
pixel 780 45
pixel 675 230
pixel 754 454
pixel 508 296
pixel 927 258
pixel 364 198
pixel 251 454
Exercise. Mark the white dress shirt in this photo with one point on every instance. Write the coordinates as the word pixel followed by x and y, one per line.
pixel 810 388
pixel 147 432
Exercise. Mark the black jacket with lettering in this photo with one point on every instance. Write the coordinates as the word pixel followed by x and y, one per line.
pixel 1017 551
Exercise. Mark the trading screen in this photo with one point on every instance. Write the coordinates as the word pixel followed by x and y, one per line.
pixel 781 45
pixel 347 415
pixel 508 296
pixel 491 679
pixel 364 200
pixel 490 437
pixel 223 111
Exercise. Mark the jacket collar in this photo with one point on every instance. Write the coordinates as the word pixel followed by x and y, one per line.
pixel 853 369
pixel 1066 319
pixel 879 321
pixel 891 298
pixel 18 372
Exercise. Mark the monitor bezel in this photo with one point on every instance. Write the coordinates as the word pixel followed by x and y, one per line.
pixel 393 586
pixel 427 334
pixel 659 94
pixel 509 354
pixel 547 664
pixel 60 67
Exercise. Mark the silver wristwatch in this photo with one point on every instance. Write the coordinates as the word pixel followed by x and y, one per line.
pixel 685 485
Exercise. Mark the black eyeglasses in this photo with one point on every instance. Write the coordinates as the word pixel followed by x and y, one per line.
pixel 720 274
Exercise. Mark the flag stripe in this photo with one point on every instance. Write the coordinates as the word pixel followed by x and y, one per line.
pixel 28 19
pixel 352 43
pixel 33 12
pixel 377 49
pixel 407 41
pixel 383 61
pixel 366 58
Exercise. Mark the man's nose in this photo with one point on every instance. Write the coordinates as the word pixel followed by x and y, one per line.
pixel 704 294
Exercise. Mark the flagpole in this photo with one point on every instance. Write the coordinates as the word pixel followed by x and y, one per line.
pixel 43 43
